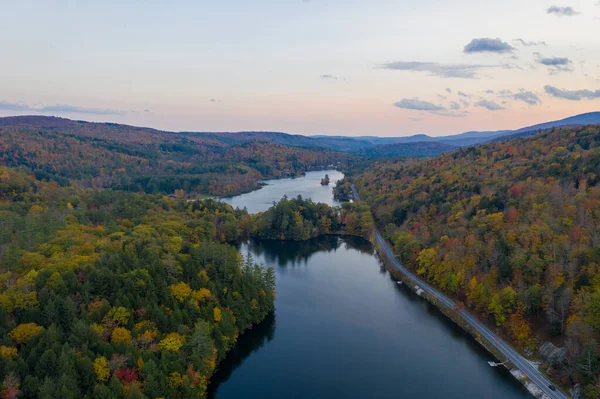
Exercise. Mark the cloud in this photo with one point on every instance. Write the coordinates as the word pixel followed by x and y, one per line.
pixel 418 105
pixel 465 103
pixel 460 93
pixel 454 105
pixel 489 91
pixel 489 105
pixel 449 90
pixel 415 104
pixel 6 106
pixel 488 45
pixel 555 64
pixel 451 114
pixel 331 77
pixel 72 109
pixel 466 71
pixel 526 43
pixel 416 119
pixel 212 100
pixel 59 108
pixel 562 11
pixel 573 95
pixel 554 61
pixel 528 97
pixel 442 97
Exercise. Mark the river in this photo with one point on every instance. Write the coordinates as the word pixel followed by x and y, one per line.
pixel 344 328
pixel 308 186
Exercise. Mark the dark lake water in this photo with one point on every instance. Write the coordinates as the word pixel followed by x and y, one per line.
pixel 308 186
pixel 343 328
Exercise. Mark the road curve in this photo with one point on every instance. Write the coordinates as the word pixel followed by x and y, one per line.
pixel 519 361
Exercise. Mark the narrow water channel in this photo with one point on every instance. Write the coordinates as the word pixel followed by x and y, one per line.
pixel 308 186
pixel 344 328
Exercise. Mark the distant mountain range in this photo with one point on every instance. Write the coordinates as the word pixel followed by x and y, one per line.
pixel 419 145
pixel 401 146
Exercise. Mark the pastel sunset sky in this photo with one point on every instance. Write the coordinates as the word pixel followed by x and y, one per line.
pixel 341 67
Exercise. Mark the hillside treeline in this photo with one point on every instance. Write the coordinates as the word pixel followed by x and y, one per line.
pixel 513 230
pixel 109 294
pixel 120 157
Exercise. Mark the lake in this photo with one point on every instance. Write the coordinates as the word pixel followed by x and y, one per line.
pixel 344 328
pixel 308 186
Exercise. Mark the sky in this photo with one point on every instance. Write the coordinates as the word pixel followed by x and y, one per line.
pixel 337 67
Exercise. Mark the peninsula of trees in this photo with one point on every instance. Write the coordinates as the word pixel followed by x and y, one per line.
pixel 109 294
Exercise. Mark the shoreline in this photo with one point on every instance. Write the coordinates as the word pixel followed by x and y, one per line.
pixel 263 182
pixel 536 384
pixel 452 315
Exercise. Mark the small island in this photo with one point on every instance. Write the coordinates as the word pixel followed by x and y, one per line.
pixel 325 180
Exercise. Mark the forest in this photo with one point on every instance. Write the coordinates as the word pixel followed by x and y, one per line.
pixel 511 229
pixel 299 219
pixel 109 294
pixel 121 157
pixel 121 279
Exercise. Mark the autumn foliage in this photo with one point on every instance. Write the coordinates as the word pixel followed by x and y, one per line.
pixel 510 228
pixel 113 294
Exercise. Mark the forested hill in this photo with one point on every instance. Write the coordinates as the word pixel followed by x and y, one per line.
pixel 513 230
pixel 105 155
pixel 112 294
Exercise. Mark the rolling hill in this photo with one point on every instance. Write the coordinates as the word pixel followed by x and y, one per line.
pixel 511 230
pixel 103 155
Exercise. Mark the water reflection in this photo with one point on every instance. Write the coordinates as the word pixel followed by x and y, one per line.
pixel 346 329
pixel 247 344
pixel 290 253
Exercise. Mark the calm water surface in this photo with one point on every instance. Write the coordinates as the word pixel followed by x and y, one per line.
pixel 308 186
pixel 343 328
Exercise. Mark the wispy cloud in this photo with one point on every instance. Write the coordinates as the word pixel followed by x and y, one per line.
pixel 562 11
pixel 59 108
pixel 465 103
pixel 6 106
pixel 414 104
pixel 528 97
pixel 489 105
pixel 528 43
pixel 460 93
pixel 418 105
pixel 488 45
pixel 554 61
pixel 449 90
pixel 556 64
pixel 466 71
pixel 72 109
pixel 331 77
pixel 454 105
pixel 573 95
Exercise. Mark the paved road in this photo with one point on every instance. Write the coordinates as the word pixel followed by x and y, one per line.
pixel 519 361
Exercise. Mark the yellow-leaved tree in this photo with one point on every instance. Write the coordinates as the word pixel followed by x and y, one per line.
pixel 120 334
pixel 23 332
pixel 180 291
pixel 172 342
pixel 101 369
pixel 217 314
pixel 8 352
